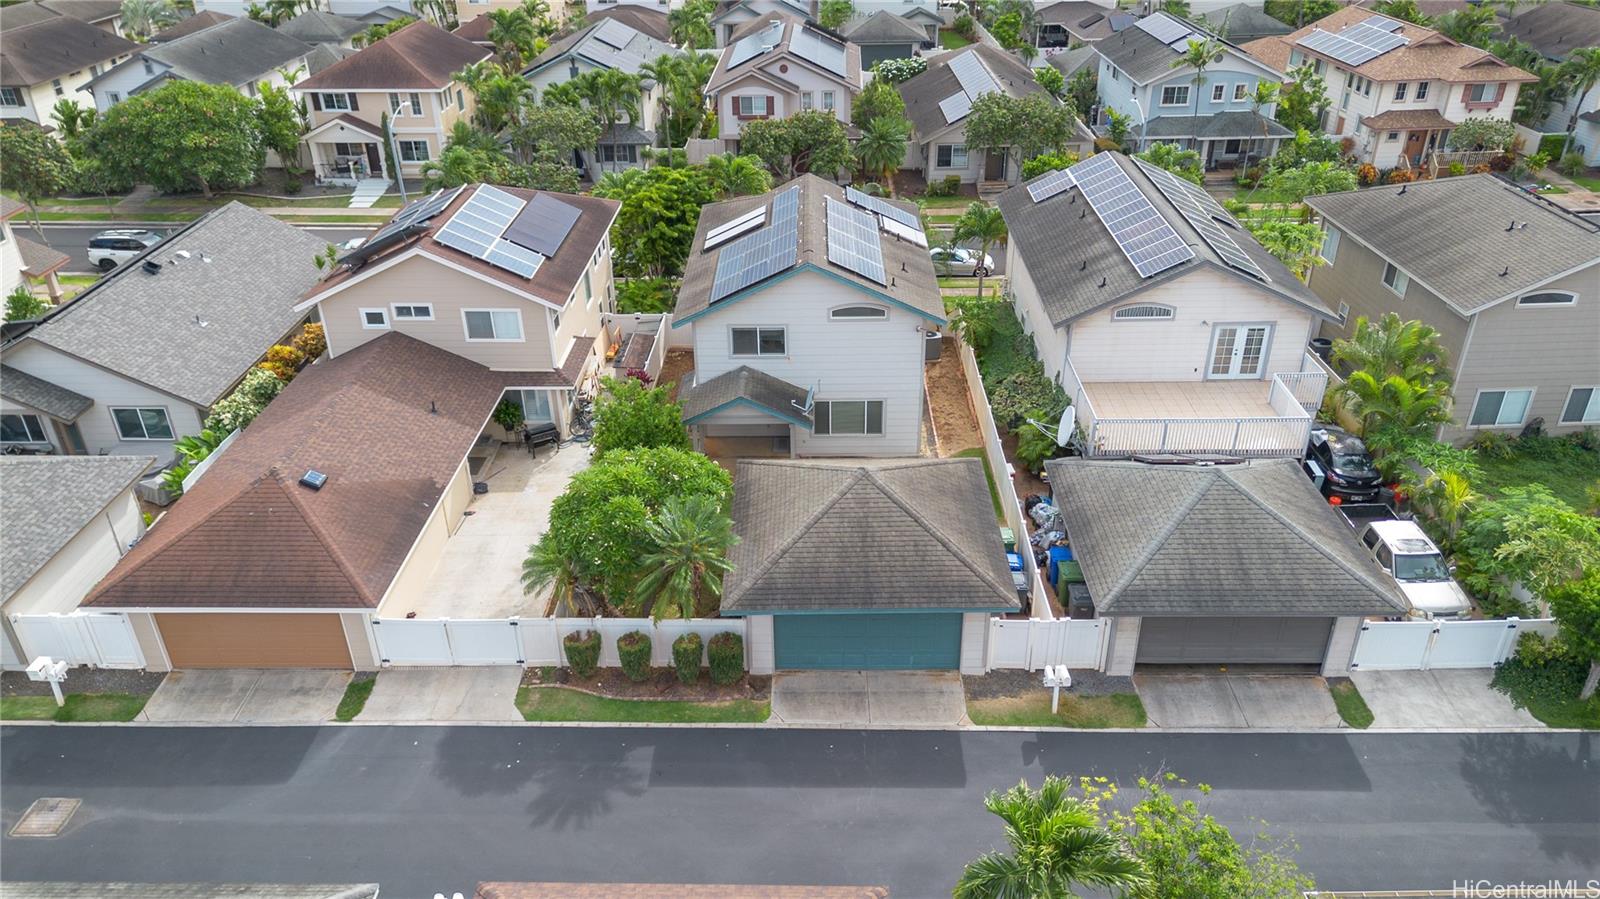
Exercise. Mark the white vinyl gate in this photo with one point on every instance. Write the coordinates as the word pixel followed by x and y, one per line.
pixel 98 639
pixel 527 641
pixel 1420 645
pixel 1034 643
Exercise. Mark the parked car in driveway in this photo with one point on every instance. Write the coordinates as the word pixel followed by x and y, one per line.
pixel 109 249
pixel 1347 468
pixel 949 261
pixel 1405 552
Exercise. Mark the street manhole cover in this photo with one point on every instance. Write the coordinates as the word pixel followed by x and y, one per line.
pixel 46 817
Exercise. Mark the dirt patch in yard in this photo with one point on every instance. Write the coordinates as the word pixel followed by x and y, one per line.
pixel 85 680
pixel 1013 682
pixel 676 368
pixel 951 405
pixel 663 683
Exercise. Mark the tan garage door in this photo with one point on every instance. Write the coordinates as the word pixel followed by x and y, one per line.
pixel 254 641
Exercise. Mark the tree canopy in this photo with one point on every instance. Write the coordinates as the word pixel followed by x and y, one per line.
pixel 660 209
pixel 182 136
pixel 811 140
pixel 1302 99
pixel 33 164
pixel 1183 163
pixel 1023 126
pixel 629 415
pixel 877 100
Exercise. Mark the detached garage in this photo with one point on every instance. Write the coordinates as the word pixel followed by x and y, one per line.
pixel 244 640
pixel 889 565
pixel 1229 564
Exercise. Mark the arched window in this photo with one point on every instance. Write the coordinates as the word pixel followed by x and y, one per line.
pixel 858 313
pixel 1548 298
pixel 1143 312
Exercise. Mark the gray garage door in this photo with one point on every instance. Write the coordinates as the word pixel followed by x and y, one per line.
pixel 1181 641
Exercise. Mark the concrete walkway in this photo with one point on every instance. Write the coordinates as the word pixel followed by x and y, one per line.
pixel 444 694
pixel 1447 697
pixel 247 696
pixel 1236 700
pixel 924 698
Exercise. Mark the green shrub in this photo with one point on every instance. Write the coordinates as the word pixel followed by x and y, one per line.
pixel 1025 392
pixel 1493 445
pixel 646 295
pixel 633 648
pixel 1035 447
pixel 1550 145
pixel 1457 168
pixel 965 26
pixel 1571 164
pixel 583 652
pixel 727 657
pixel 948 186
pixel 1542 670
pixel 686 657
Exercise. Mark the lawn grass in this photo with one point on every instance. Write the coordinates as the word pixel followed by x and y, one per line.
pixel 1564 467
pixel 1352 708
pixel 1588 180
pixel 79 707
pixel 950 40
pixel 994 491
pixel 28 708
pixel 1572 712
pixel 562 704
pixel 355 699
pixel 1033 710
pixel 117 217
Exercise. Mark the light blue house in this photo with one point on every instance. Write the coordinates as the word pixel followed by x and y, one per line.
pixel 1141 78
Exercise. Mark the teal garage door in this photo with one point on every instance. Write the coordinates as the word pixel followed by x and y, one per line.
pixel 903 640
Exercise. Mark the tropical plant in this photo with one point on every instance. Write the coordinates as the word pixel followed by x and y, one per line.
pixel 548 565
pixel 629 415
pixel 22 305
pixel 646 295
pixel 182 136
pixel 1047 162
pixel 812 140
pixel 1297 13
pixel 1117 124
pixel 690 24
pixel 1302 99
pixel 1393 401
pixel 1292 184
pixel 192 450
pixel 142 18
pixel 514 35
pixel 984 225
pixel 833 14
pixel 376 33
pixel 72 120
pixel 974 318
pixel 312 340
pixel 555 130
pixel 1580 73
pixel 33 165
pixel 1475 26
pixel 1482 133
pixel 1179 8
pixel 1576 606
pixel 1404 10
pixel 690 539
pixel 1035 445
pixel 1199 55
pixel 1082 92
pixel 613 95
pixel 1186 164
pixel 737 176
pixel 1296 244
pixel 660 209
pixel 239 408
pixel 897 71
pixel 282 122
pixel 1051 79
pixel 1411 350
pixel 1022 127
pixel 1058 842
pixel 1448 496
pixel 882 148
pixel 879 99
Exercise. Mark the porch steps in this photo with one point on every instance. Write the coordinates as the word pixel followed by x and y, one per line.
pixel 367 192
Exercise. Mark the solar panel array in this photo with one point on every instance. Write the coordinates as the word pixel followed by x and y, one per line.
pixel 882 207
pixel 1383 22
pixel 853 241
pixel 756 257
pixel 1049 185
pixel 1359 44
pixel 1164 28
pixel 543 224
pixel 476 227
pixel 955 107
pixel 752 45
pixel 614 33
pixel 1195 207
pixel 727 231
pixel 1139 230
pixel 905 232
pixel 975 81
pixel 417 212
pixel 815 48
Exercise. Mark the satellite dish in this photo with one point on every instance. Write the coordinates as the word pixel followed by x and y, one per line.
pixel 1069 423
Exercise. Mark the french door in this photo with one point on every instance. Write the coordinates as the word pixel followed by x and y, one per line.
pixel 1239 351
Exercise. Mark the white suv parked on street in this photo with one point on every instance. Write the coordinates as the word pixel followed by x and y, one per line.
pixel 109 249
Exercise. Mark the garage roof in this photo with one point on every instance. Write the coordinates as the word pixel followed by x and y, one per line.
pixel 48 500
pixel 1248 539
pixel 897 535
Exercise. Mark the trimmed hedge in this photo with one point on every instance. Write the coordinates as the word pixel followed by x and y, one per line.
pixel 583 652
pixel 727 658
pixel 633 648
pixel 686 657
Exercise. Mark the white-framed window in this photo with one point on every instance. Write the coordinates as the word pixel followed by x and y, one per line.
pixel 951 156
pixel 10 96
pixel 752 107
pixel 55 85
pixel 395 105
pixel 336 102
pixel 827 100
pixel 1500 408
pixel 1479 93
pixel 493 324
pixel 588 291
pixel 22 427
pixel 143 423
pixel 1400 91
pixel 413 151
pixel 1395 279
pixel 1547 298
pixel 1241 91
pixel 1422 90
pixel 752 341
pixel 1175 95
pixel 619 153
pixel 416 103
pixel 1393 135
pixel 847 418
pixel 808 101
pixel 1143 312
pixel 412 312
pixel 1344 313
pixel 1582 407
pixel 1330 246
pixel 114 97
pixel 1218 91
pixel 374 319
pixel 858 313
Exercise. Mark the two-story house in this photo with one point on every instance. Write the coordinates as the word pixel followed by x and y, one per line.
pixel 1512 285
pixel 1555 30
pixel 240 53
pixel 318 27
pixel 938 101
pixel 1073 23
pixel 1170 328
pixel 407 79
pixel 608 44
pixel 1142 76
pixel 46 57
pixel 780 65
pixel 732 15
pixel 22 258
pixel 1398 89
pixel 810 305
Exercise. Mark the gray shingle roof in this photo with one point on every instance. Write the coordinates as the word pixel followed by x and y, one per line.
pixel 1248 539
pixel 1555 29
pixel 1078 268
pixel 781 53
pixel 844 536
pixel 317 27
pixel 638 49
pixel 197 22
pixel 744 384
pixel 1470 260
pixel 1235 124
pixel 1244 22
pixel 883 27
pixel 1069 62
pixel 924 92
pixel 47 500
pixel 235 52
pixel 144 326
pixel 52 46
pixel 51 399
pixel 1144 59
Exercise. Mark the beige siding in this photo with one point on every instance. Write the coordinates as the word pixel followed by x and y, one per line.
pixel 61 583
pixel 760 654
pixel 1341 646
pixel 974 642
pixel 412 578
pixel 1356 277
pixel 1124 647
pixel 590 298
pixel 363 656
pixel 422 280
pixel 148 637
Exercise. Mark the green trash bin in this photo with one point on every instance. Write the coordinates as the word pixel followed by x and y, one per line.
pixel 1009 538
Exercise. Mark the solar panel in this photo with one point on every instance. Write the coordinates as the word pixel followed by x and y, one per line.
pixel 1139 230
pixel 955 107
pixel 477 226
pixel 728 230
pixel 752 45
pixel 414 213
pixel 1194 205
pixel 543 225
pixel 758 256
pixel 813 47
pixel 614 33
pixel 883 208
pixel 1048 185
pixel 1359 44
pixel 1382 22
pixel 1163 27
pixel 905 232
pixel 972 75
pixel 853 241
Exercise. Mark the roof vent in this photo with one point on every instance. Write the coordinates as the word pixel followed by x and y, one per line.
pixel 151 267
pixel 313 479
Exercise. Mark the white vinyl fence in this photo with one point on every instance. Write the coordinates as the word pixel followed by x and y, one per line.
pixel 97 639
pixel 1421 645
pixel 1033 644
pixel 527 641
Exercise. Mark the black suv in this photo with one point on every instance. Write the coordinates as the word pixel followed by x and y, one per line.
pixel 1347 466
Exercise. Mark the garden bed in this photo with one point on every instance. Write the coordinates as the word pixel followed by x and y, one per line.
pixel 663 683
pixel 676 368
pixel 1016 698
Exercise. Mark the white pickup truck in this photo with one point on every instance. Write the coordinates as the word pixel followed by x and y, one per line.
pixel 1403 550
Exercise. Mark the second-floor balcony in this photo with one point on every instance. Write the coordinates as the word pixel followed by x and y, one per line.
pixel 1254 418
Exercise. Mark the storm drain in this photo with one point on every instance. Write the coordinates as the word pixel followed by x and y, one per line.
pixel 46 817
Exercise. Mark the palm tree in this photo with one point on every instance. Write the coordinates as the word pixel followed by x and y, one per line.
pixel 661 72
pixel 1266 94
pixel 72 119
pixel 1449 496
pixel 985 225
pixel 512 35
pixel 500 100
pixel 1473 26
pixel 1411 350
pixel 690 25
pixel 737 176
pixel 547 566
pixel 1199 55
pixel 1581 72
pixel 1297 245
pixel 613 95
pixel 141 18
pixel 1392 402
pixel 454 167
pixel 692 536
pixel 1057 843
pixel 882 148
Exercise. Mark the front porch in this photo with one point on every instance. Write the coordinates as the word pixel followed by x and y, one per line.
pixel 345 151
pixel 1224 140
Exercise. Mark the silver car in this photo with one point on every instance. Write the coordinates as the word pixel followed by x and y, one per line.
pixel 949 261
pixel 109 249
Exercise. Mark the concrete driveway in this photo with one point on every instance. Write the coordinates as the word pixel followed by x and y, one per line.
pixel 444 694
pixel 247 696
pixel 1453 698
pixel 921 698
pixel 1236 700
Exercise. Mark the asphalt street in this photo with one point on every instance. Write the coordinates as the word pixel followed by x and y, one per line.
pixel 425 809
pixel 74 239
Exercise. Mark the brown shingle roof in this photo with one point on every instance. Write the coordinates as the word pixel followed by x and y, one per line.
pixel 420 55
pixel 39 260
pixel 722 76
pixel 476 30
pixel 652 22
pixel 1429 55
pixel 200 21
pixel 1406 119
